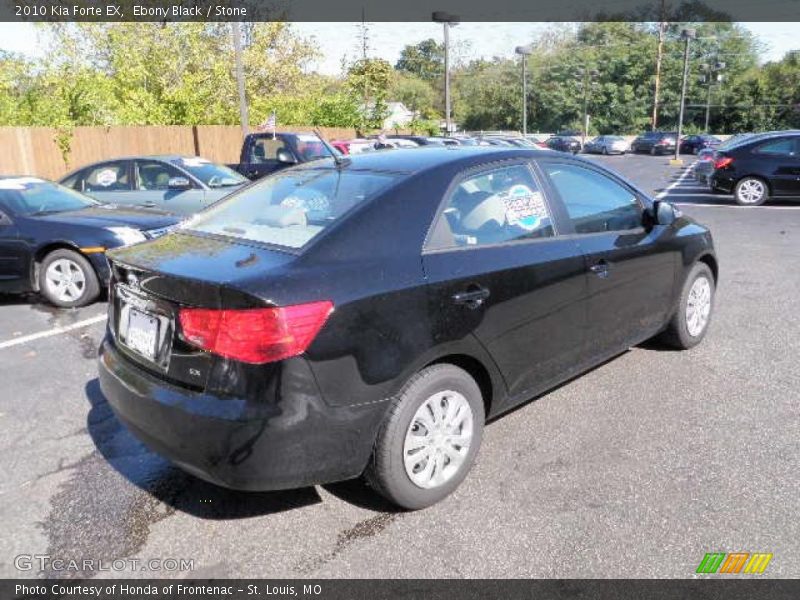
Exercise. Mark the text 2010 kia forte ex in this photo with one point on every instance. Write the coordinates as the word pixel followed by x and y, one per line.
pixel 366 315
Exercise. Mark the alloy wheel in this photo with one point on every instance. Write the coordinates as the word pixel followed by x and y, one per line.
pixel 698 306
pixel 751 191
pixel 65 280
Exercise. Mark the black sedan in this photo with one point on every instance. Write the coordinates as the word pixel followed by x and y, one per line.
pixel 53 239
pixel 367 317
pixel 759 167
pixel 655 142
pixel 692 144
pixel 564 144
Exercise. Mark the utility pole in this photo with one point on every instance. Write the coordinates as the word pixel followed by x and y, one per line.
pixel 688 35
pixel 587 80
pixel 662 25
pixel 237 56
pixel 712 76
pixel 524 52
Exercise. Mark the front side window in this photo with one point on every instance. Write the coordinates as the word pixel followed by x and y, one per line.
pixel 211 174
pixel 155 175
pixel 594 202
pixel 497 206
pixel 292 207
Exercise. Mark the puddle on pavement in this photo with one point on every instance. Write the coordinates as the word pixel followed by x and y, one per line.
pixel 362 530
pixel 98 513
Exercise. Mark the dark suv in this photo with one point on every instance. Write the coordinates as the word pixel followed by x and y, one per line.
pixel 762 166
pixel 655 142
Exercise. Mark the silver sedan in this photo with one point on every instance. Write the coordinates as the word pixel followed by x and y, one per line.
pixel 607 144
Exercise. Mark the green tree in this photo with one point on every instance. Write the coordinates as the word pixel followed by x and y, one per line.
pixel 424 60
pixel 368 80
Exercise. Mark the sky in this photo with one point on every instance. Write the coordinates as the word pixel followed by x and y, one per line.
pixel 338 40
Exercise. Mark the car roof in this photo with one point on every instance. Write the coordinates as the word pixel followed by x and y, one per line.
pixel 428 157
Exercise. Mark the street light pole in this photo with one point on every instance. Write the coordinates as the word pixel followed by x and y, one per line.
pixel 524 51
pixel 688 35
pixel 713 75
pixel 447 20
pixel 237 56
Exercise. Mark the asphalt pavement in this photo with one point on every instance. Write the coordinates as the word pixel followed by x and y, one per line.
pixel 636 469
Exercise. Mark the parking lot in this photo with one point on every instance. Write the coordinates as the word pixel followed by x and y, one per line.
pixel 636 469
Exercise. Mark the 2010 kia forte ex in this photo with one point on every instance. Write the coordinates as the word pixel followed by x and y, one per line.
pixel 367 315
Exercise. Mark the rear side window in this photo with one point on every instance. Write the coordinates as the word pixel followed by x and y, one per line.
pixel 108 177
pixel 783 147
pixel 497 206
pixel 594 202
pixel 291 208
pixel 266 149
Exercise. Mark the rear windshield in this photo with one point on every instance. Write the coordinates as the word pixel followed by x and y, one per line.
pixel 290 208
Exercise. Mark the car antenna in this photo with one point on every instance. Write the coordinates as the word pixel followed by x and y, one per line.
pixel 340 162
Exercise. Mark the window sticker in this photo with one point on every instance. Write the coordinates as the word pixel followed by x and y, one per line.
pixel 525 208
pixel 106 177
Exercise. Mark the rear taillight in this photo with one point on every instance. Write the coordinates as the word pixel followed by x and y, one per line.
pixel 255 335
pixel 722 162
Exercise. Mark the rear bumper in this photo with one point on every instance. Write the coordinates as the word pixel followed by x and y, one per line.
pixel 722 182
pixel 290 439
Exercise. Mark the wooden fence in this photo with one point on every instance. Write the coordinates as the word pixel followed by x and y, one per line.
pixel 36 151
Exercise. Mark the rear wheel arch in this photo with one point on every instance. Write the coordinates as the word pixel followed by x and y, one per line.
pixel 475 369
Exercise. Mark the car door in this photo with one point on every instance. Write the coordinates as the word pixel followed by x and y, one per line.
pixel 496 269
pixel 630 269
pixel 779 161
pixel 155 182
pixel 13 253
pixel 109 182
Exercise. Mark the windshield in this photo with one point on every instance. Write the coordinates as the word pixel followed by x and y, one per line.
pixel 32 196
pixel 290 208
pixel 211 174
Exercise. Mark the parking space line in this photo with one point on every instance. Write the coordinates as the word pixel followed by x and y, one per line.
pixel 681 178
pixel 51 332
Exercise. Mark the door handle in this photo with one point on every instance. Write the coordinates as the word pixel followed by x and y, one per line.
pixel 149 203
pixel 601 268
pixel 471 298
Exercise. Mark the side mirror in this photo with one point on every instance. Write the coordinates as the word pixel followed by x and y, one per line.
pixel 284 156
pixel 179 183
pixel 664 213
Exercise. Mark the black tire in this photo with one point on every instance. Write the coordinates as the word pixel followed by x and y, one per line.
pixel 742 185
pixel 386 472
pixel 91 285
pixel 677 332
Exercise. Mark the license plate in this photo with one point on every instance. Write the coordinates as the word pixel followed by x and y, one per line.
pixel 142 333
